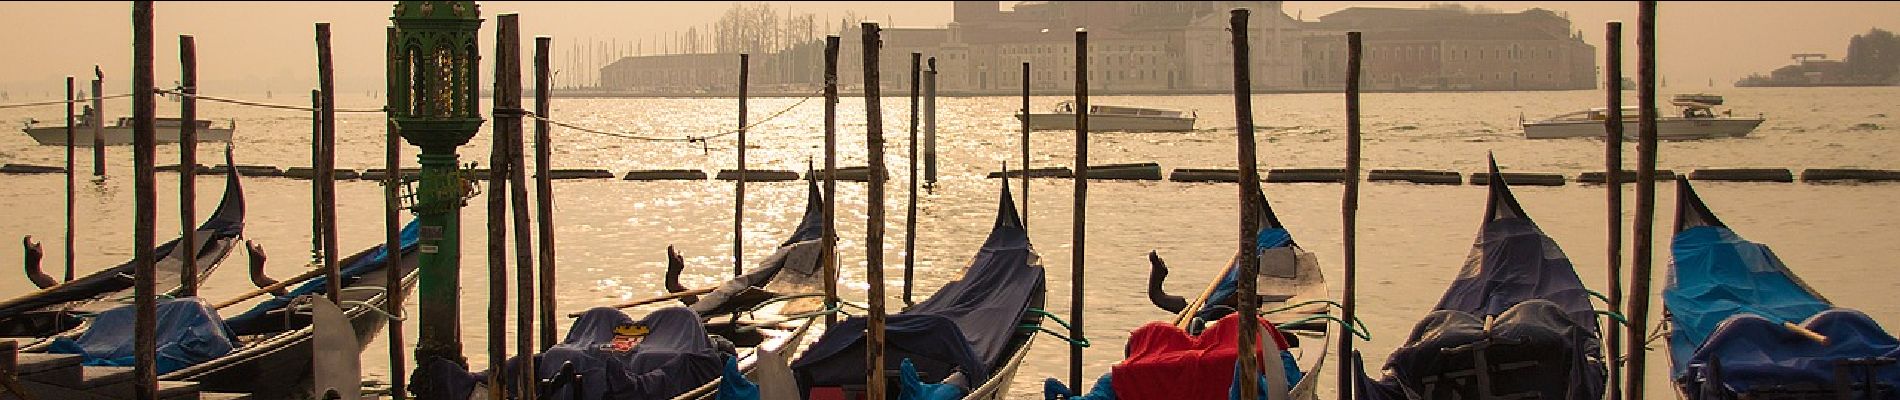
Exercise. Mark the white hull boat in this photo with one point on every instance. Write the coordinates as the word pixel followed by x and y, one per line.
pixel 120 134
pixel 1696 119
pixel 1107 118
pixel 1666 128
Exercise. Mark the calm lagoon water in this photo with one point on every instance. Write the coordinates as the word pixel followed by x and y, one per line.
pixel 612 234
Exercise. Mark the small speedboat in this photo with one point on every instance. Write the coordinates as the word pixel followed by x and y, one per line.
pixel 1696 119
pixel 120 133
pixel 1114 118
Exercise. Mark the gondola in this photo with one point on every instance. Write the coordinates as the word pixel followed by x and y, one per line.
pixel 272 339
pixel 760 319
pixel 1742 325
pixel 1515 323
pixel 60 308
pixel 970 336
pixel 1293 295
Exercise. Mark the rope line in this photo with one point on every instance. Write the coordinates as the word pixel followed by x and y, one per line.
pixel 261 104
pixel 58 102
pixel 687 139
pixel 527 114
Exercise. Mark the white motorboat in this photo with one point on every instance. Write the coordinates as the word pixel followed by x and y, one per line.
pixel 120 133
pixel 1114 118
pixel 1696 120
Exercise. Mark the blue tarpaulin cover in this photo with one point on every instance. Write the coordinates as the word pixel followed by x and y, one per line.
pixel 965 327
pixel 1729 300
pixel 265 318
pixel 1543 341
pixel 188 333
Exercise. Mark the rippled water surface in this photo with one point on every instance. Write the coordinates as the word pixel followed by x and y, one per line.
pixel 1412 239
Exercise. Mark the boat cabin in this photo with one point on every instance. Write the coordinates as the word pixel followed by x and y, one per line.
pixel 162 122
pixel 1068 107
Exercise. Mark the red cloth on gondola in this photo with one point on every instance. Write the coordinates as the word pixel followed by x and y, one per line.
pixel 1164 362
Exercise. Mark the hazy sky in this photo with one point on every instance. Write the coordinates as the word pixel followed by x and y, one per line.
pixel 249 47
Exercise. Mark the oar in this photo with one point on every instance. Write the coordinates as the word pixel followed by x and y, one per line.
pixel 674 264
pixel 33 272
pixel 257 258
pixel 316 270
pixel 655 299
pixel 1158 273
pixel 1803 331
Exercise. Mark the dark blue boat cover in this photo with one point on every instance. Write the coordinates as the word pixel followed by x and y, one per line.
pixel 1543 340
pixel 225 223
pixel 674 356
pixel 1729 299
pixel 965 327
pixel 265 318
pixel 188 333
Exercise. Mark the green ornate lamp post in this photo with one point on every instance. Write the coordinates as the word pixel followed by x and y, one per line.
pixel 433 96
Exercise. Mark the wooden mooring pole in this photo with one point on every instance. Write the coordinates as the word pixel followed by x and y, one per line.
pixel 508 74
pixel 1350 215
pixel 498 205
pixel 316 186
pixel 98 122
pixel 1079 232
pixel 874 224
pixel 1025 165
pixel 831 181
pixel 188 159
pixel 326 169
pixel 910 212
pixel 738 197
pixel 392 239
pixel 544 186
pixel 1249 262
pixel 1638 312
pixel 145 193
pixel 70 178
pixel 1613 182
pixel 930 123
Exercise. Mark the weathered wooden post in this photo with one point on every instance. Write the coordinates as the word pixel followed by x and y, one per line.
pixel 1349 305
pixel 1248 291
pixel 188 159
pixel 392 235
pixel 1025 166
pixel 738 198
pixel 508 114
pixel 544 186
pixel 316 188
pixel 910 213
pixel 70 177
pixel 831 181
pixel 1080 231
pixel 440 110
pixel 930 123
pixel 98 122
pixel 1638 313
pixel 326 171
pixel 506 108
pixel 145 216
pixel 874 225
pixel 1613 181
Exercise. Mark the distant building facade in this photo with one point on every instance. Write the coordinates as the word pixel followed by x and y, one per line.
pixel 1169 46
pixel 1449 49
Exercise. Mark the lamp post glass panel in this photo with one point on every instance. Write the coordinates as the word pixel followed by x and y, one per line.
pixel 436 108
